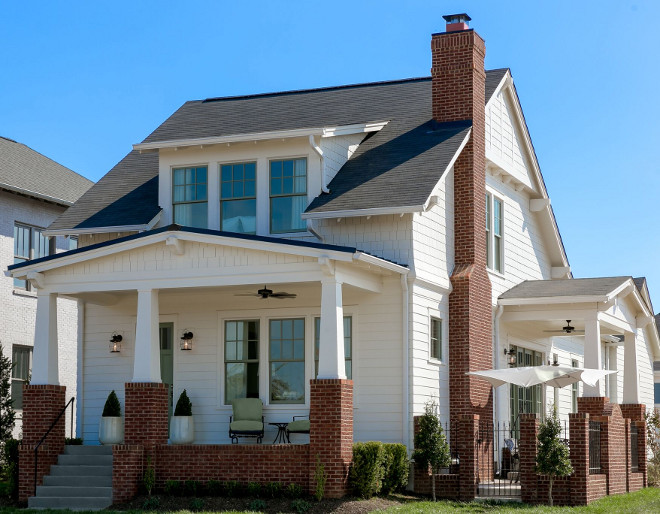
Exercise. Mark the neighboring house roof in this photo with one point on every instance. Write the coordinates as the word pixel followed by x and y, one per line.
pixel 406 103
pixel 26 171
pixel 586 287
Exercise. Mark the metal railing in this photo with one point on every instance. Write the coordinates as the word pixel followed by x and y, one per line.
pixel 36 448
pixel 634 451
pixel 594 447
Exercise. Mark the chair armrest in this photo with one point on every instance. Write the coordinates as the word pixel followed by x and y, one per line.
pixel 302 416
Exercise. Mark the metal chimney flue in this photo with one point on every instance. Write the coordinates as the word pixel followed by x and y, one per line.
pixel 457 22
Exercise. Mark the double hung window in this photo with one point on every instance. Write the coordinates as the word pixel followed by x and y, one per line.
pixel 190 196
pixel 287 360
pixel 238 204
pixel 348 345
pixel 288 195
pixel 241 359
pixel 436 338
pixel 30 243
pixel 494 223
pixel 21 360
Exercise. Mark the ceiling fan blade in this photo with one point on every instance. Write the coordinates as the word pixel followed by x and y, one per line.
pixel 284 295
pixel 247 294
pixel 574 331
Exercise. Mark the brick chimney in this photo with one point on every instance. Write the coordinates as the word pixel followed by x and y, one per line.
pixel 458 93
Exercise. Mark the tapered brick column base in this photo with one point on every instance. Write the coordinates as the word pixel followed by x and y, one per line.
pixel 41 405
pixel 633 411
pixel 331 433
pixel 145 414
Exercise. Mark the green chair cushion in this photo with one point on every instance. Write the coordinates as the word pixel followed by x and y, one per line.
pixel 247 409
pixel 246 426
pixel 299 425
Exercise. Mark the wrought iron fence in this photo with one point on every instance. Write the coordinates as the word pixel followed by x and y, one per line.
pixel 451 430
pixel 594 447
pixel 634 452
pixel 498 460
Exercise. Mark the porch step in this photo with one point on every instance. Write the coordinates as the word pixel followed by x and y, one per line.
pixel 81 480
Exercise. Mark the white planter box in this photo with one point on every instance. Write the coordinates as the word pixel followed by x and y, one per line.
pixel 111 430
pixel 182 430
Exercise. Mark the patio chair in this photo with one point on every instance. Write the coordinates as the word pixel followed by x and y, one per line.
pixel 247 419
pixel 297 426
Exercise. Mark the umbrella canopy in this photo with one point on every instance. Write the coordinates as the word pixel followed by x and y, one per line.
pixel 556 376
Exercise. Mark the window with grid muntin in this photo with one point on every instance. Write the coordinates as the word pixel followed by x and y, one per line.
pixel 238 204
pixel 288 195
pixel 286 349
pixel 190 196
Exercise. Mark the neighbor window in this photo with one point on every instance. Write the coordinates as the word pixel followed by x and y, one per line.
pixel 238 204
pixel 73 242
pixel 287 360
pixel 21 360
pixel 436 338
pixel 494 221
pixel 528 400
pixel 288 195
pixel 348 345
pixel 30 243
pixel 241 360
pixel 189 196
pixel 574 389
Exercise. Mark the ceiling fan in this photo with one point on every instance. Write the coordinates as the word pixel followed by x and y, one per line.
pixel 266 293
pixel 568 329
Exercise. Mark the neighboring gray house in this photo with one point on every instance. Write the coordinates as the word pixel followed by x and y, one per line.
pixel 34 190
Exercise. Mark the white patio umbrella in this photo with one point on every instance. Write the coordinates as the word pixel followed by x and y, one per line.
pixel 556 376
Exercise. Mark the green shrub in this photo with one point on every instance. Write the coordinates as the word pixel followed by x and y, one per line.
pixel 192 487
pixel 149 479
pixel 151 503
pixel 173 488
pixel 112 408
pixel 300 506
pixel 396 468
pixel 293 491
pixel 73 441
pixel 254 489
pixel 273 489
pixel 10 461
pixel 367 471
pixel 320 478
pixel 257 506
pixel 214 488
pixel 183 405
pixel 197 504
pixel 232 489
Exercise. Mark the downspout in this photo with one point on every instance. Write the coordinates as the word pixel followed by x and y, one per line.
pixel 80 362
pixel 496 354
pixel 406 360
pixel 324 188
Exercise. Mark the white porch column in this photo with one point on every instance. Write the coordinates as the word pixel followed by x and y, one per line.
pixel 44 361
pixel 146 364
pixel 331 338
pixel 630 373
pixel 592 352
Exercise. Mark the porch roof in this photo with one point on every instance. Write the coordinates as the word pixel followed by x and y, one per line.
pixel 574 290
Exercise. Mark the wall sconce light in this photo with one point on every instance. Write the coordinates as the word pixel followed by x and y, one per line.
pixel 186 339
pixel 511 356
pixel 115 342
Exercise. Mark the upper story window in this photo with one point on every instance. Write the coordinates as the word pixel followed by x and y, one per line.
pixel 30 243
pixel 288 195
pixel 494 243
pixel 238 204
pixel 189 196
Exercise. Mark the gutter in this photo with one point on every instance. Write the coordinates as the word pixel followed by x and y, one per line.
pixel 34 194
pixel 319 151
pixel 406 363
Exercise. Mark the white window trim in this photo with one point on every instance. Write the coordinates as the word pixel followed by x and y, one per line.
pixel 491 234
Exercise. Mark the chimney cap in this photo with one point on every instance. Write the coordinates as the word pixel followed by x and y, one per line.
pixel 457 18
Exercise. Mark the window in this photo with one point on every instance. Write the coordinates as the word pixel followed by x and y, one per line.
pixel 494 244
pixel 73 242
pixel 238 204
pixel 656 392
pixel 30 243
pixel 526 399
pixel 21 358
pixel 241 360
pixel 574 389
pixel 348 345
pixel 287 360
pixel 189 196
pixel 288 195
pixel 436 338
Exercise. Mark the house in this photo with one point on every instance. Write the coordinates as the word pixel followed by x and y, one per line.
pixel 410 228
pixel 34 191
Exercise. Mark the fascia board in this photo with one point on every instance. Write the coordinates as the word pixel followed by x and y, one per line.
pixel 376 261
pixel 552 300
pixel 34 194
pixel 352 213
pixel 96 230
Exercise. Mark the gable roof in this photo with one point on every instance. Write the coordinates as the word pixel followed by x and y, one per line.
pixel 406 103
pixel 578 287
pixel 25 171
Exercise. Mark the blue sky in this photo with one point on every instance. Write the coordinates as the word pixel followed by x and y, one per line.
pixel 82 81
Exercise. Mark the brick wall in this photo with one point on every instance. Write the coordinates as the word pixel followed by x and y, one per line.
pixel 127 471
pixel 634 411
pixel 145 414
pixel 593 405
pixel 527 453
pixel 331 432
pixel 42 404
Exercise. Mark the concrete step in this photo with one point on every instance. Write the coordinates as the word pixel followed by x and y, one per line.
pixel 84 460
pixel 49 491
pixel 74 480
pixel 72 471
pixel 70 502
pixel 82 449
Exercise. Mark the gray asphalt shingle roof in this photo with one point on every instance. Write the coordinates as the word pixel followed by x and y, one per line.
pixel 408 156
pixel 24 170
pixel 574 287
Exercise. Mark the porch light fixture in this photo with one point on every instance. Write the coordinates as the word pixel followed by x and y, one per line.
pixel 115 342
pixel 186 339
pixel 511 354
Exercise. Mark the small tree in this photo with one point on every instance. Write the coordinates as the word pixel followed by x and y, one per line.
pixel 431 448
pixel 553 457
pixel 7 414
pixel 112 408
pixel 183 405
pixel 653 446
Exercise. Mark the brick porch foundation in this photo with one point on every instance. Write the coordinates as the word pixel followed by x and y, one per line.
pixel 145 414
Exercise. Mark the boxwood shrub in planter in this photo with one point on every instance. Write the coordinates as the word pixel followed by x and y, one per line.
pixel 111 425
pixel 182 428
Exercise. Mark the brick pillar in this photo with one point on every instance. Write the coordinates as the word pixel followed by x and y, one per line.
pixel 41 405
pixel 633 411
pixel 145 414
pixel 468 448
pixel 579 439
pixel 331 432
pixel 641 449
pixel 529 427
pixel 593 405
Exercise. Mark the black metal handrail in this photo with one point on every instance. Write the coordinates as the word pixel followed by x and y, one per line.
pixel 36 448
